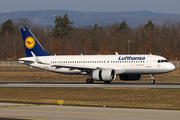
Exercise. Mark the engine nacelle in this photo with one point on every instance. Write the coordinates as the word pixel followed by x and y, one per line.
pixel 104 75
pixel 130 77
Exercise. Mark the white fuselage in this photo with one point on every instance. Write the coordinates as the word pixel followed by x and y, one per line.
pixel 122 64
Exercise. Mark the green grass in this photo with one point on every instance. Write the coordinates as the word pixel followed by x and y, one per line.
pixel 135 98
pixel 138 98
pixel 23 74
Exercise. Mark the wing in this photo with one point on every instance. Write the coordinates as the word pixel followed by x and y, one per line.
pixel 76 66
pixel 119 70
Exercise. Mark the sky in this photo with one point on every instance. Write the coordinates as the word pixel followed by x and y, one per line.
pixel 158 6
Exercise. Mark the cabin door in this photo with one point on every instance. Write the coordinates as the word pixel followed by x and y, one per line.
pixel 148 62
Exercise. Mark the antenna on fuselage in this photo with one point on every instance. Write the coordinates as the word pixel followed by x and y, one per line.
pixel 116 53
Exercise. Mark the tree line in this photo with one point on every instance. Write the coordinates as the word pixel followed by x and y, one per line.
pixel 65 39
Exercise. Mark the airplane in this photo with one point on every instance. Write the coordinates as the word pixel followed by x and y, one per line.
pixel 98 67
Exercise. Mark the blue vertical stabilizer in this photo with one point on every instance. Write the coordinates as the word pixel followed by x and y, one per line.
pixel 32 44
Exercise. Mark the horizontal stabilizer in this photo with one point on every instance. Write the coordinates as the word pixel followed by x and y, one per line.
pixel 22 60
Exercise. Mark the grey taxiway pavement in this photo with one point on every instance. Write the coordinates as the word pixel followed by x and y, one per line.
pixel 84 85
pixel 55 112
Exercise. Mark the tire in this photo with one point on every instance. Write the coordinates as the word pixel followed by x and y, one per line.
pixel 152 81
pixel 89 81
pixel 107 82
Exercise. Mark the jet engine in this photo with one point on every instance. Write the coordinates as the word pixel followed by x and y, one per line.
pixel 104 75
pixel 130 77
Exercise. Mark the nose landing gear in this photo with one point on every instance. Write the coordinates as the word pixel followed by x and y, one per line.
pixel 152 80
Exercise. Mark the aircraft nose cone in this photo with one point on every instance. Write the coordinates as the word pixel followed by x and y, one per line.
pixel 171 67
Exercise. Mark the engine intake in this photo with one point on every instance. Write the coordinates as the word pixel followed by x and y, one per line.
pixel 104 75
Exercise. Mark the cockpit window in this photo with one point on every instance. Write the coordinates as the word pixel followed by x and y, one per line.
pixel 161 61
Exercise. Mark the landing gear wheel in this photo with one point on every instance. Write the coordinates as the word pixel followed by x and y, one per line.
pixel 152 81
pixel 107 81
pixel 89 80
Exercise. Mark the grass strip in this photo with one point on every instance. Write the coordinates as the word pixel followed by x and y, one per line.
pixel 120 97
pixel 23 74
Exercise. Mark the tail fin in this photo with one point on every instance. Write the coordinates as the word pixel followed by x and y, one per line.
pixel 32 44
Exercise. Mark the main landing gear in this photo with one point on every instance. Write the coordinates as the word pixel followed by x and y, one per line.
pixel 107 82
pixel 89 80
pixel 152 80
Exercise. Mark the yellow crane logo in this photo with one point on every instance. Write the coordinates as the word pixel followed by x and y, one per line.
pixel 29 42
